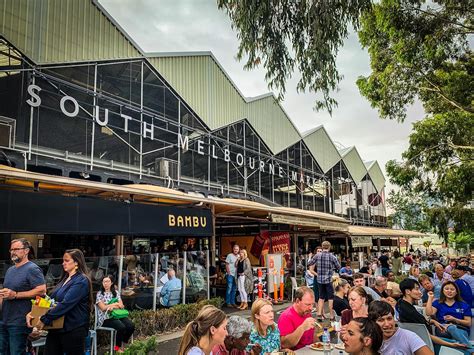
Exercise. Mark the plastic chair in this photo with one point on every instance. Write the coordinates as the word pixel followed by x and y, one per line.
pixel 420 330
pixel 471 334
pixel 38 343
pixel 294 287
pixel 42 342
pixel 449 351
pixel 107 329
pixel 174 299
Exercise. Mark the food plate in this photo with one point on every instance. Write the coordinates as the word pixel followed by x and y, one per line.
pixel 339 346
pixel 320 346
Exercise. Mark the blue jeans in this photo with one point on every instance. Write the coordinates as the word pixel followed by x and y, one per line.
pixel 457 334
pixel 13 339
pixel 230 290
pixel 438 347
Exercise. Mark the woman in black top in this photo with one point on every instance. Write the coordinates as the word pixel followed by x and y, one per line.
pixel 341 288
pixel 244 278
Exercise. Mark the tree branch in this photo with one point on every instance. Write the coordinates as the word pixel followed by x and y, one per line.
pixel 469 28
pixel 438 90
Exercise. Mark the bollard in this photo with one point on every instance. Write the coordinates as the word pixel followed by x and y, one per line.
pixel 260 287
pixel 275 286
pixel 282 286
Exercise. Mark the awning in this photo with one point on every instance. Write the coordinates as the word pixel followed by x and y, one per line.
pixel 383 232
pixel 361 241
pixel 312 219
pixel 142 193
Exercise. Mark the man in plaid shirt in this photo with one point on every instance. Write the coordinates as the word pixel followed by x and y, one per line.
pixel 326 264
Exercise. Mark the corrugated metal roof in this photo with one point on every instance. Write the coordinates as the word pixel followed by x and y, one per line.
pixel 355 165
pixel 270 121
pixel 203 83
pixel 322 147
pixel 199 80
pixel 376 174
pixel 53 31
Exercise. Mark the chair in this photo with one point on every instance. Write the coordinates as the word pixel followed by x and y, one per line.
pixel 471 334
pixel 449 351
pixel 38 343
pixel 92 336
pixel 107 329
pixel 294 287
pixel 174 299
pixel 420 330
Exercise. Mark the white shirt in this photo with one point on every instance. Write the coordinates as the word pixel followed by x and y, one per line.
pixel 231 259
pixel 196 351
pixel 403 342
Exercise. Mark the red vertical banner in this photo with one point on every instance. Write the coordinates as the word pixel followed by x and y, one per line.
pixel 260 246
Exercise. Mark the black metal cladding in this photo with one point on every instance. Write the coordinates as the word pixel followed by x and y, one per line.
pixel 52 213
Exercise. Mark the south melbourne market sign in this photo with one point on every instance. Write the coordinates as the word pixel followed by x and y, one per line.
pixel 147 132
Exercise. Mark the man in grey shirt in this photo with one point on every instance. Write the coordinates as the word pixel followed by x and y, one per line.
pixel 23 282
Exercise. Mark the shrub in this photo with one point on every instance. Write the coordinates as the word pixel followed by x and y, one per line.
pixel 142 347
pixel 148 322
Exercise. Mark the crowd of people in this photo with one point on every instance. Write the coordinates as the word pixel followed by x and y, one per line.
pixel 375 318
pixel 434 297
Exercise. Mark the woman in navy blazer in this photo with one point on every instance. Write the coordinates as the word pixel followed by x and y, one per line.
pixel 74 299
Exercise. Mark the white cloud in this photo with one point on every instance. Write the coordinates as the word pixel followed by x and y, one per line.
pixel 197 25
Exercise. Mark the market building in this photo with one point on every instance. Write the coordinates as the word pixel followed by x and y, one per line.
pixel 102 143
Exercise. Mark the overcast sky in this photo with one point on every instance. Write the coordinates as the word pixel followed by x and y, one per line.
pixel 197 25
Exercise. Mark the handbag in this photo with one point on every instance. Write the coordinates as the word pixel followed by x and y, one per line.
pixel 117 313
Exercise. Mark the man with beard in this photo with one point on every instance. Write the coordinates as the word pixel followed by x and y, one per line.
pixel 396 340
pixel 296 324
pixel 23 282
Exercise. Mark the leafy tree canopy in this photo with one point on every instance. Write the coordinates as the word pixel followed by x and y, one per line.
pixel 418 49
pixel 409 211
pixel 411 44
pixel 284 34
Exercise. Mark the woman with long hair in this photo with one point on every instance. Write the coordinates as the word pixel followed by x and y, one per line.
pixel 107 300
pixel 341 289
pixel 206 331
pixel 363 336
pixel 264 331
pixel 359 302
pixel 452 313
pixel 245 278
pixel 73 296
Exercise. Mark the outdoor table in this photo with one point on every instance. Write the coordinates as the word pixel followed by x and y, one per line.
pixel 308 351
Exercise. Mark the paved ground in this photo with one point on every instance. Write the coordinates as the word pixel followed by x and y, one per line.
pixel 169 344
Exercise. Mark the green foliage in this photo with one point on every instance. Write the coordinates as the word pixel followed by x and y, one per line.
pixel 418 49
pixel 149 322
pixel 461 239
pixel 142 347
pixel 439 164
pixel 409 211
pixel 285 34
